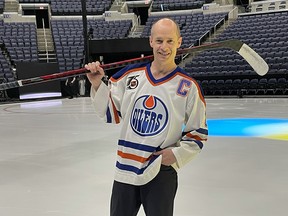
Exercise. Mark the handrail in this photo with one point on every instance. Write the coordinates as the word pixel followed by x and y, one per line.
pixel 233 14
pixel 207 33
pixel 198 43
pixel 45 39
pixel 218 24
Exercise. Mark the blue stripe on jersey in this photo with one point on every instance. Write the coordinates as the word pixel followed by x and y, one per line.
pixel 130 168
pixel 164 78
pixel 119 113
pixel 202 131
pixel 199 143
pixel 201 89
pixel 137 146
pixel 133 168
pixel 127 68
pixel 108 116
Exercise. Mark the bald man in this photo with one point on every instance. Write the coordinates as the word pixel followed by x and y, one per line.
pixel 153 100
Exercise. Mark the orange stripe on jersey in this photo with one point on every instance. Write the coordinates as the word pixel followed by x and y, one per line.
pixel 194 137
pixel 132 157
pixel 115 112
pixel 200 92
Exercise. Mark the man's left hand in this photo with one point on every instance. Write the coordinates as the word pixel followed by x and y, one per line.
pixel 168 157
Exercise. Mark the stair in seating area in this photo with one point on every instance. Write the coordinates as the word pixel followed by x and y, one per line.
pixel 137 31
pixel 45 44
pixel 11 6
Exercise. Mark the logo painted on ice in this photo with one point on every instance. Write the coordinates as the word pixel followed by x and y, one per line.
pixel 149 116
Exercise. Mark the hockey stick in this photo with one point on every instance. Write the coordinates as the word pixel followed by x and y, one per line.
pixel 256 62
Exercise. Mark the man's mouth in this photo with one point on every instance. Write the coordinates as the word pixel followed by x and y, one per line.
pixel 164 54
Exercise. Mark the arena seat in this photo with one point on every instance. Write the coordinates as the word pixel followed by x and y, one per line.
pixel 271 85
pixel 282 85
pixel 266 34
pixel 20 40
pixel 74 7
pixel 192 26
pixel 262 86
pixel 166 5
pixel 68 36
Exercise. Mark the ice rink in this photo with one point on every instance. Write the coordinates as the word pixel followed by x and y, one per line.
pixel 57 159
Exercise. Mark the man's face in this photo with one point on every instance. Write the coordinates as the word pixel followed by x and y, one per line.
pixel 165 41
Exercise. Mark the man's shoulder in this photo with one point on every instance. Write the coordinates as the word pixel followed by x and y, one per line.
pixel 130 68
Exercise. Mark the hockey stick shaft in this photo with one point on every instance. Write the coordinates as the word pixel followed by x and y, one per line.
pixel 257 63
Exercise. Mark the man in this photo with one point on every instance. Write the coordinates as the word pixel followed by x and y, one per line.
pixel 154 101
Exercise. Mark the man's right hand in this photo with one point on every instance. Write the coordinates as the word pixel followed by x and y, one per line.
pixel 96 74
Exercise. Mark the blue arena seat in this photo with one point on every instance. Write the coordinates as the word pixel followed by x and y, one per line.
pixel 282 85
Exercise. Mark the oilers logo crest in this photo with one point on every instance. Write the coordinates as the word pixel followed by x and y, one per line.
pixel 149 116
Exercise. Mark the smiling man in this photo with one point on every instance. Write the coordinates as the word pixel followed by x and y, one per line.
pixel 165 39
pixel 153 100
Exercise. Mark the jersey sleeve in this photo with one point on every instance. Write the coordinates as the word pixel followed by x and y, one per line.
pixel 195 132
pixel 106 102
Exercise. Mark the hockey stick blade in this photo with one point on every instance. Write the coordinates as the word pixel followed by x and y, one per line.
pixel 257 63
pixel 253 59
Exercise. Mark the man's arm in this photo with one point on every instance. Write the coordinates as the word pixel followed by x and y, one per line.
pixel 96 74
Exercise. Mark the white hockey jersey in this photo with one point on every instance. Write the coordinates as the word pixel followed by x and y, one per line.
pixel 166 113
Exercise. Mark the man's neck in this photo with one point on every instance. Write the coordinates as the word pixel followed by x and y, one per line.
pixel 161 70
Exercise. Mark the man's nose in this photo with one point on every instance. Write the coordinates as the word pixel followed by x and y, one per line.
pixel 164 45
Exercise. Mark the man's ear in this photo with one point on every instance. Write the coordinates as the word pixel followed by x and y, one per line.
pixel 179 42
pixel 150 41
